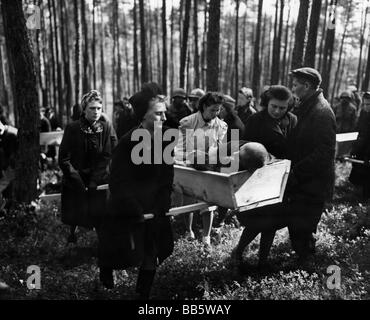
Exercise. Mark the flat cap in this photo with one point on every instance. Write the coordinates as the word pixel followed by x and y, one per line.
pixel 308 73
pixel 180 92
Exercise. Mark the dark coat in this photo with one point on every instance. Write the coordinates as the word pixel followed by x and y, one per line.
pixel 136 189
pixel 84 167
pixel 312 151
pixel 346 116
pixel 264 129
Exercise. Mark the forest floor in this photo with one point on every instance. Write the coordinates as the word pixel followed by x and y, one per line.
pixel 36 236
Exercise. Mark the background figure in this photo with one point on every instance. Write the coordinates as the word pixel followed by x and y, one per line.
pixel 55 126
pixel 8 149
pixel 360 174
pixel 311 150
pixel 245 106
pixel 231 118
pixel 178 109
pixel 194 98
pixel 125 238
pixel 84 158
pixel 346 113
pixel 271 127
pixel 208 132
pixel 126 119
pixel 76 112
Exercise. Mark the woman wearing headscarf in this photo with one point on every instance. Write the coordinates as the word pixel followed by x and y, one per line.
pixel 271 127
pixel 84 158
pixel 126 237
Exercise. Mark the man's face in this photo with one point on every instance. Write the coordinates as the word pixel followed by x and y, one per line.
pixel 244 99
pixel 299 89
pixel 366 103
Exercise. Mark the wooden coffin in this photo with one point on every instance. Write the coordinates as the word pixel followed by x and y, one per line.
pixel 344 142
pixel 239 190
pixel 51 138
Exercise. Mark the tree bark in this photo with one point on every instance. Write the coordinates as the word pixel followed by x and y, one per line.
pixel 184 46
pixel 213 43
pixel 77 52
pixel 136 53
pixel 164 47
pixel 196 46
pixel 236 56
pixel 256 61
pixel 144 63
pixel 328 49
pixel 310 55
pixel 25 94
pixel 300 35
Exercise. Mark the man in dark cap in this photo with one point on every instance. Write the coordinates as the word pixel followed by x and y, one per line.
pixel 179 108
pixel 311 149
pixel 346 113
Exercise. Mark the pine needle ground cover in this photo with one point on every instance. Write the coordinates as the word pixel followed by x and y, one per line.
pixel 34 235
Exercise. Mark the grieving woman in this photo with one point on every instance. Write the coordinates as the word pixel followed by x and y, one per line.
pixel 84 158
pixel 271 127
pixel 139 190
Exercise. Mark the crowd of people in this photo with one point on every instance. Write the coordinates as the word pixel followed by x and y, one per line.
pixel 131 219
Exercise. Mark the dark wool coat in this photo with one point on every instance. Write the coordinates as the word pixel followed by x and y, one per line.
pixel 84 168
pixel 136 189
pixel 264 129
pixel 312 151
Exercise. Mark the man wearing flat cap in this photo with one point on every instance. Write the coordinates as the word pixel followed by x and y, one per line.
pixel 311 149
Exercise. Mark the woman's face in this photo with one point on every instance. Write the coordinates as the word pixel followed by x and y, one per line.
pixel 93 111
pixel 156 112
pixel 277 108
pixel 211 112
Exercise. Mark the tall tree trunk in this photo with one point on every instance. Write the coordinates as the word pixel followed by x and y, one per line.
pixel 77 52
pixel 286 44
pixel 328 49
pixel 61 101
pixel 172 49
pixel 136 53
pixel 244 46
pixel 144 64
pixel 85 79
pixel 337 73
pixel 256 64
pixel 323 35
pixel 93 44
pixel 236 56
pixel 127 59
pixel 64 22
pixel 365 83
pixel 196 46
pixel 300 34
pixel 164 47
pixel 362 40
pixel 184 46
pixel 213 45
pixel 204 46
pixel 18 42
pixel 102 59
pixel 276 48
pixel 53 62
pixel 310 55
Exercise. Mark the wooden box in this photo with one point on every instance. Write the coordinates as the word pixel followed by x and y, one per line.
pixel 240 190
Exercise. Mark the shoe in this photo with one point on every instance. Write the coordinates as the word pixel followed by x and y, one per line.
pixel 189 235
pixel 106 277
